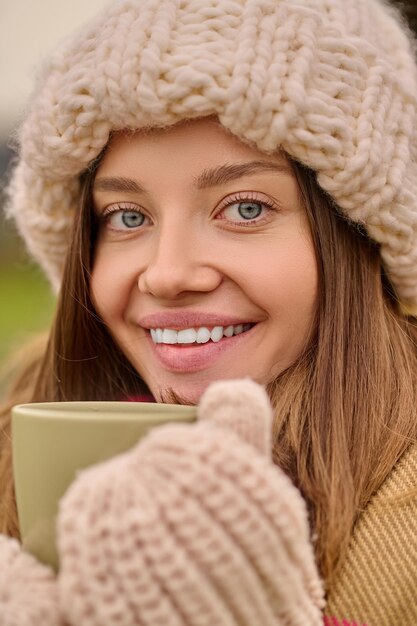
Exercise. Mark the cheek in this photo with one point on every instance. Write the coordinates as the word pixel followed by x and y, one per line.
pixel 288 284
pixel 299 278
pixel 291 306
pixel 110 284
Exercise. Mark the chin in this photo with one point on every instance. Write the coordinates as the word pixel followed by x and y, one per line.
pixel 180 394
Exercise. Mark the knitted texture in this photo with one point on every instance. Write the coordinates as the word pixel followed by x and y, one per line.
pixel 194 526
pixel 28 590
pixel 378 581
pixel 332 82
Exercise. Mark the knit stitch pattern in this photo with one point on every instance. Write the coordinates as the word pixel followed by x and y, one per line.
pixel 333 83
pixel 28 590
pixel 194 526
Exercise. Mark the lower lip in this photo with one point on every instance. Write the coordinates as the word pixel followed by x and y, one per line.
pixel 195 357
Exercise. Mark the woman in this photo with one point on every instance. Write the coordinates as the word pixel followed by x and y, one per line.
pixel 241 177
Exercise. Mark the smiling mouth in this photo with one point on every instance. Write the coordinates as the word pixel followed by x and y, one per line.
pixel 200 335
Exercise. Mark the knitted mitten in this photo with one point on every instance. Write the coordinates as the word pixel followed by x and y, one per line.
pixel 28 590
pixel 194 526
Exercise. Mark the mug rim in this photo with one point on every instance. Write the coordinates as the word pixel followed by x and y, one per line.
pixel 100 410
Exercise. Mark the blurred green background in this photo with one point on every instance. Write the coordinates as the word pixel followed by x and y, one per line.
pixel 26 300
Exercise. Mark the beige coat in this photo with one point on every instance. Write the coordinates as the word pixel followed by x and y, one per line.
pixel 377 585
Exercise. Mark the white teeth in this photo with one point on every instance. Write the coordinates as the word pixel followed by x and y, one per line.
pixel 189 335
pixel 217 333
pixel 169 336
pixel 196 335
pixel 203 335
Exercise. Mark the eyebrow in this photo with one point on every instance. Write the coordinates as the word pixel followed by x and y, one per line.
pixel 117 183
pixel 225 173
pixel 208 178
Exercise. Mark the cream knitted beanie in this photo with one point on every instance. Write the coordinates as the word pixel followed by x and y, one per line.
pixel 332 82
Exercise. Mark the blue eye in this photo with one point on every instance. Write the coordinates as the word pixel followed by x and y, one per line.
pixel 132 219
pixel 249 210
pixel 124 218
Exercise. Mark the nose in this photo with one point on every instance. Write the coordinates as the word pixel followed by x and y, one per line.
pixel 179 263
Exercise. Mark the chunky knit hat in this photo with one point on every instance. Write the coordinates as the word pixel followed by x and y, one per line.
pixel 332 82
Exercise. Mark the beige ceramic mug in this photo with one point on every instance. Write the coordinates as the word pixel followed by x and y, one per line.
pixel 53 441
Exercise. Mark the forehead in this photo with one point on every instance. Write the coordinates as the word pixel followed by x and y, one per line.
pixel 187 147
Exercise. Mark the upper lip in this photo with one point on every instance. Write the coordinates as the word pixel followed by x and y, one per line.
pixel 189 319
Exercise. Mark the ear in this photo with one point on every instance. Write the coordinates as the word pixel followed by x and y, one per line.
pixel 243 407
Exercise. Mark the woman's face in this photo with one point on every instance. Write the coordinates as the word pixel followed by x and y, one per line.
pixel 204 266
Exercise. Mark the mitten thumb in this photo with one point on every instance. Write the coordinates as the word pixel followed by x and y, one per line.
pixel 241 406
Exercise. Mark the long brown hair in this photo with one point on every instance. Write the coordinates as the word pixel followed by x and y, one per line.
pixel 82 362
pixel 345 411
